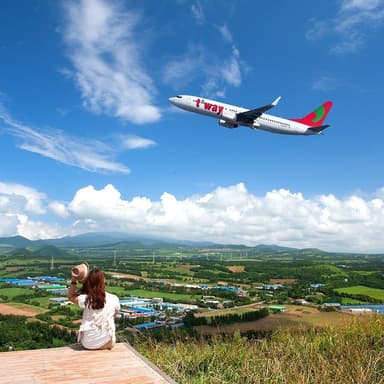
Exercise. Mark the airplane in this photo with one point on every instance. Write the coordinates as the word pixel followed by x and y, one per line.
pixel 232 116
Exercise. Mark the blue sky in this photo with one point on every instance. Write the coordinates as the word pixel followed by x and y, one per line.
pixel 89 141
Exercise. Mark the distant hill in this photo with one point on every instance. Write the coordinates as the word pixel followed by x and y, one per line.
pixel 16 241
pixel 118 240
pixel 50 250
pixel 46 251
pixel 20 252
pixel 274 248
pixel 103 239
pixel 87 240
pixel 100 239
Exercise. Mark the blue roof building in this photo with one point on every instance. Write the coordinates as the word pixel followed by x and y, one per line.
pixel 20 282
pixel 50 279
pixel 317 285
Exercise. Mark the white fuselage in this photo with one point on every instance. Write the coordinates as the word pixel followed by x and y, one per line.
pixel 226 113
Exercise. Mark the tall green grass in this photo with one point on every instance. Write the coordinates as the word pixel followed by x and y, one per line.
pixel 351 353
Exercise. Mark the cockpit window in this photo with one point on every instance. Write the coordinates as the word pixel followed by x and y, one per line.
pixel 179 97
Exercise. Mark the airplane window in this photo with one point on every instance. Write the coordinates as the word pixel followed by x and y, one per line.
pixel 179 97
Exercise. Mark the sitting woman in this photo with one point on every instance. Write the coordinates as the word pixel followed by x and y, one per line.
pixel 97 330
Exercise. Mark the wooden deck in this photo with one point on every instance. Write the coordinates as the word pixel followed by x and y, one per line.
pixel 73 365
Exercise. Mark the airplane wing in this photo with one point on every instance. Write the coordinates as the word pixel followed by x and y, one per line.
pixel 250 116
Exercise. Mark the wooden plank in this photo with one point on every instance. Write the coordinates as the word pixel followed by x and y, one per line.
pixel 74 365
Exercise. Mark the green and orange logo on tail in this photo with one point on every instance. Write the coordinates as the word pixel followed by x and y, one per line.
pixel 316 117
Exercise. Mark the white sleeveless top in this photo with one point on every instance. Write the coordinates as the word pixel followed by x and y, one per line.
pixel 98 325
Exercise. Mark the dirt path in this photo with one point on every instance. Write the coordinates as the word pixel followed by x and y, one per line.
pixel 8 309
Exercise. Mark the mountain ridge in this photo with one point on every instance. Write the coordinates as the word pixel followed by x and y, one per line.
pixel 116 239
pixel 119 240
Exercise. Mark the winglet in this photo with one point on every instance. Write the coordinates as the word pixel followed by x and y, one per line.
pixel 248 117
pixel 275 102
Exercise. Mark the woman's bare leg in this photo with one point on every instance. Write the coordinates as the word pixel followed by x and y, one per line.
pixel 108 345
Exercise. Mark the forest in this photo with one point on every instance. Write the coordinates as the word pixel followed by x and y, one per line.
pixel 17 333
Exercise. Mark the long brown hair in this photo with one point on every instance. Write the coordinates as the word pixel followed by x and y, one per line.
pixel 94 288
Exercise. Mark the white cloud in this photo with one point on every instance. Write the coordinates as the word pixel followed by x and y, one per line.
pixel 360 4
pixel 226 33
pixel 8 224
pixel 135 142
pixel 36 229
pixel 349 29
pixel 198 12
pixel 380 193
pixel 17 204
pixel 59 209
pixel 105 53
pixel 90 155
pixel 202 65
pixel 231 69
pixel 182 69
pixel 20 198
pixel 325 84
pixel 234 215
pixel 351 44
pixel 229 214
pixel 318 30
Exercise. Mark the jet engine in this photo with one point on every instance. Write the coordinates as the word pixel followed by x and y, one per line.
pixel 229 119
pixel 229 116
pixel 226 124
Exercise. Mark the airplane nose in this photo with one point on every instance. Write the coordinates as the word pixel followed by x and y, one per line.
pixel 172 100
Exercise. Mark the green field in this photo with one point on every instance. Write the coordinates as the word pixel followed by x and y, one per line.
pixel 350 301
pixel 118 291
pixel 165 295
pixel 43 301
pixel 375 293
pixel 11 292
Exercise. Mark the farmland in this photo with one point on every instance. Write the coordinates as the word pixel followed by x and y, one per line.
pixel 218 280
pixel 374 293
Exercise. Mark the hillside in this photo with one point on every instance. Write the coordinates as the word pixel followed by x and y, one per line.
pixel 49 251
pixel 352 353
pixel 16 241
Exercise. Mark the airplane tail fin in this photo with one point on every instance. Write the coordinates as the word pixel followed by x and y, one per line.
pixel 316 117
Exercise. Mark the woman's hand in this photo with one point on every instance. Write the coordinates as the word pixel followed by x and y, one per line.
pixel 72 291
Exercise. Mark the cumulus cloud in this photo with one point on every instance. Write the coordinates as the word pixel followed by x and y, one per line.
pixel 21 198
pixel 91 155
pixel 105 53
pixel 9 224
pixel 38 229
pixel 59 209
pixel 234 215
pixel 229 214
pixel 18 203
pixel 349 29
